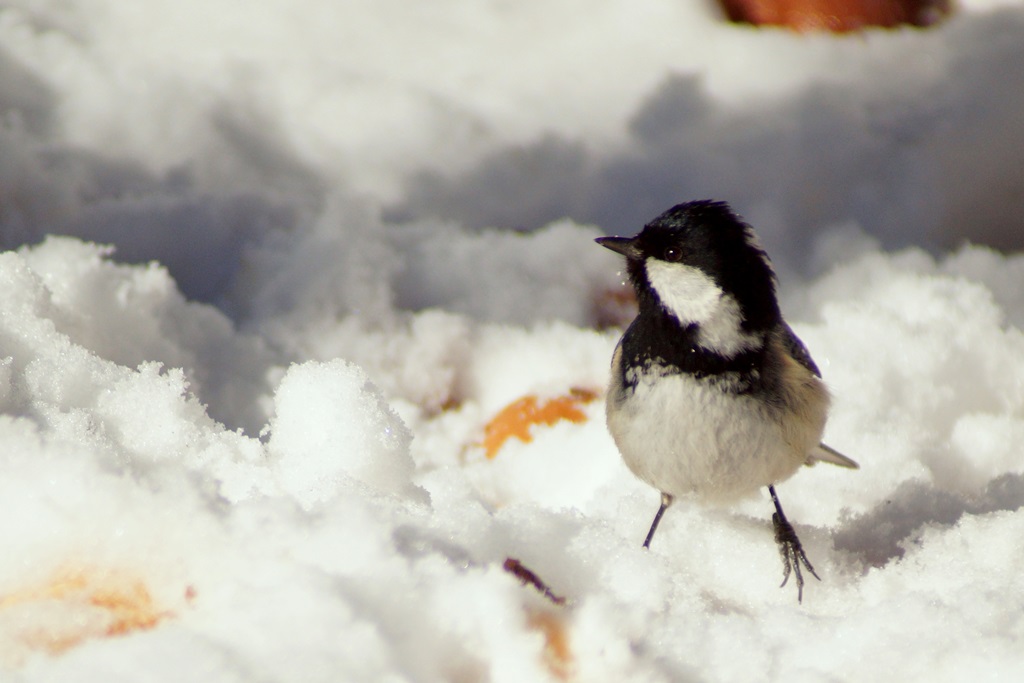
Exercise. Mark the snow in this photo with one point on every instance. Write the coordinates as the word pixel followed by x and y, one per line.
pixel 270 275
pixel 329 423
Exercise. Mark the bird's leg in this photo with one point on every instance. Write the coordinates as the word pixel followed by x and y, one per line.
pixel 666 500
pixel 790 549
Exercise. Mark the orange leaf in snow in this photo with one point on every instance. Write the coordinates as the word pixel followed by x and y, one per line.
pixel 557 653
pixel 78 604
pixel 517 417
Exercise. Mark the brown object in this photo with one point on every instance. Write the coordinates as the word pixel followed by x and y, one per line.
pixel 838 16
pixel 614 307
pixel 527 576
pixel 557 654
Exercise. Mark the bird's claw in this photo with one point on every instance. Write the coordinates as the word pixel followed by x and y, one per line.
pixel 792 553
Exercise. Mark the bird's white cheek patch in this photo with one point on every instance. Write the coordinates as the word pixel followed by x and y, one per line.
pixel 685 291
pixel 693 297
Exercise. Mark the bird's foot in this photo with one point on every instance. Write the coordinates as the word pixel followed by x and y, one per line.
pixel 792 553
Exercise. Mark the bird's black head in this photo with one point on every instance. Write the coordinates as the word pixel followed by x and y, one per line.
pixel 696 258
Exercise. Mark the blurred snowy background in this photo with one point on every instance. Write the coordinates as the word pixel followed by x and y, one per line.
pixel 274 273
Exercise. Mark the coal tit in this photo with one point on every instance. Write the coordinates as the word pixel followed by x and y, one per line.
pixel 712 395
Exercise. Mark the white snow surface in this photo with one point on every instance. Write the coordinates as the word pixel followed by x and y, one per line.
pixel 269 270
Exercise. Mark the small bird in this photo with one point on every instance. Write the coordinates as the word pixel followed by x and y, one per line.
pixel 712 395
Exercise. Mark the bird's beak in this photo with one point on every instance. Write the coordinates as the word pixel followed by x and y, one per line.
pixel 623 245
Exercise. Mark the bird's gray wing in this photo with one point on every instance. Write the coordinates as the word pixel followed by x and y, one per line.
pixel 796 349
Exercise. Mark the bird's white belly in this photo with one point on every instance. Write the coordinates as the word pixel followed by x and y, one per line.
pixel 687 437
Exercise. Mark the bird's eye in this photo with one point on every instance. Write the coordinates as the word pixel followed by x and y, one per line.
pixel 673 254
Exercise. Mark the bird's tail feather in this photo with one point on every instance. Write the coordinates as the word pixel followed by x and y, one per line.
pixel 823 453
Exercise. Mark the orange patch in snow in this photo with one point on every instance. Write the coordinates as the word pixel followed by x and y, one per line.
pixel 557 653
pixel 516 418
pixel 79 604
